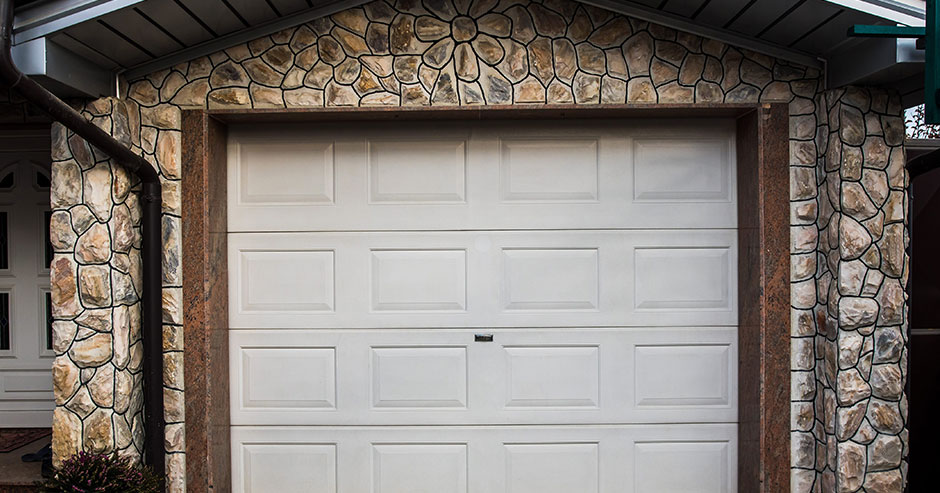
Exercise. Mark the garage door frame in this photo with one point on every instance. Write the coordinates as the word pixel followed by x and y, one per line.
pixel 763 271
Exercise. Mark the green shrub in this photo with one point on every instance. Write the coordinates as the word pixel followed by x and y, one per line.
pixel 90 473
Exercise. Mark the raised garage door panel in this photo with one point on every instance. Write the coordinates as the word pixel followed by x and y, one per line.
pixel 483 279
pixel 525 376
pixel 483 307
pixel 487 175
pixel 532 459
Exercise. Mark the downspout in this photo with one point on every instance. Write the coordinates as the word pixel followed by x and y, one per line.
pixel 151 248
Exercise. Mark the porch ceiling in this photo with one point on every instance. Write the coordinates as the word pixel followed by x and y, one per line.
pixel 135 37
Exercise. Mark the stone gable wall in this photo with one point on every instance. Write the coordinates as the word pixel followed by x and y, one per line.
pixel 500 52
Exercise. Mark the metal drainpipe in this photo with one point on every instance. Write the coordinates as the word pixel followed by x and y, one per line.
pixel 151 248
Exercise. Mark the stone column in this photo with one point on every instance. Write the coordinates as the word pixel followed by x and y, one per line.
pixel 96 286
pixel 862 312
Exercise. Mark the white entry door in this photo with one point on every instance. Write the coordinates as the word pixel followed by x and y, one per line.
pixel 26 353
pixel 487 307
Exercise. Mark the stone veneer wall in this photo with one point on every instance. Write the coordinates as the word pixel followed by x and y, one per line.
pixel 96 288
pixel 861 306
pixel 485 52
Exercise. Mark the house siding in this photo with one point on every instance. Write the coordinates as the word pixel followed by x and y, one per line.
pixel 409 54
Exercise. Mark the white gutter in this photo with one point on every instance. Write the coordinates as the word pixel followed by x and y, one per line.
pixel 892 10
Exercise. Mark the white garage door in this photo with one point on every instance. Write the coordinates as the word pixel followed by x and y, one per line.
pixel 488 307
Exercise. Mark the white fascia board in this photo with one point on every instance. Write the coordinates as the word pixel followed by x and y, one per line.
pixel 891 10
pixel 48 17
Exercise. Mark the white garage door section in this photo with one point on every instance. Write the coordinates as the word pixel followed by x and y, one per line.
pixel 486 307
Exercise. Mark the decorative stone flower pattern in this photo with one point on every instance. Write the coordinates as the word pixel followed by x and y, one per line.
pixel 469 52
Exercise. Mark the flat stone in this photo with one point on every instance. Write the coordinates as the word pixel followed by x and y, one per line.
pixel 353 19
pixel 92 351
pixel 367 83
pixel 743 94
pixel 613 91
pixel 854 238
pixel 547 23
pixel 262 73
pixel 377 37
pixel 876 185
pixel 523 29
pixel 691 69
pixel 144 93
pixel 465 63
pixel 488 49
pixel 611 34
pixel 266 97
pixel 428 76
pixel 445 88
pixel 439 53
pixel 851 466
pixel 856 202
pixel 496 88
pixel 855 312
pixel 591 59
pixel 515 64
pixel 674 93
pixel 887 382
pixel 641 90
pixel 340 95
pixel 495 24
pixel 280 58
pixel 616 65
pixel 529 90
pixel 755 74
pixel 65 379
pixel 708 92
pixel 229 97
pixel 330 50
pixel 441 8
pixel 638 50
pixel 318 77
pixel 849 419
pixel 559 93
pixel 894 130
pixel 892 249
pixel 566 63
pixel 348 71
pixel 586 88
pixel 353 44
pixel 381 65
pixel 66 435
pixel 294 78
pixel 192 94
pixel 260 45
pixel 884 482
pixel 471 93
pixel 66 184
pixel 852 125
pixel 429 29
pixel 477 8
pixel 97 432
pixel 414 95
pixel 885 417
pixel 402 38
pixel 101 386
pixel 301 39
pixel 662 72
pixel 580 27
pixel 94 246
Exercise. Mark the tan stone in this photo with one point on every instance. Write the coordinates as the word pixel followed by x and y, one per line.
pixel 884 482
pixel 523 30
pixel 674 93
pixel 852 125
pixel 855 312
pixel 887 382
pixel 540 59
pixel 559 93
pixel 192 94
pixel 855 239
pixel 691 69
pixel 94 289
pixel 851 466
pixel 66 184
pixel 144 93
pixel 547 23
pixel 354 45
pixel 367 83
pixel 66 435
pixel 92 351
pixel 97 191
pixel 378 39
pixel 402 39
pixel 496 88
pixel 414 95
pixel 611 34
pixel 465 63
pixel 353 19
pixel 488 49
pixel 495 24
pixel 429 29
pixel 669 52
pixel 173 405
pixel 428 76
pixel 406 68
pixel 307 58
pixel 229 97
pixel 319 76
pixel 65 379
pixel 580 27
pixel 302 38
pixel 662 72
pixel 168 154
pixel 101 386
pixel 885 417
pixel 641 90
pixel 586 88
pixel 848 420
pixel 529 91
pixel 441 8
pixel 94 246
pixel 98 435
pixel 439 53
pixel 565 59
pixel 515 65
pixel 892 249
pixel 63 286
pixel 471 93
pixel 348 71
pixel 294 78
pixel 380 99
pixel 638 50
pixel 591 59
pixel 613 91
pixel 445 88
